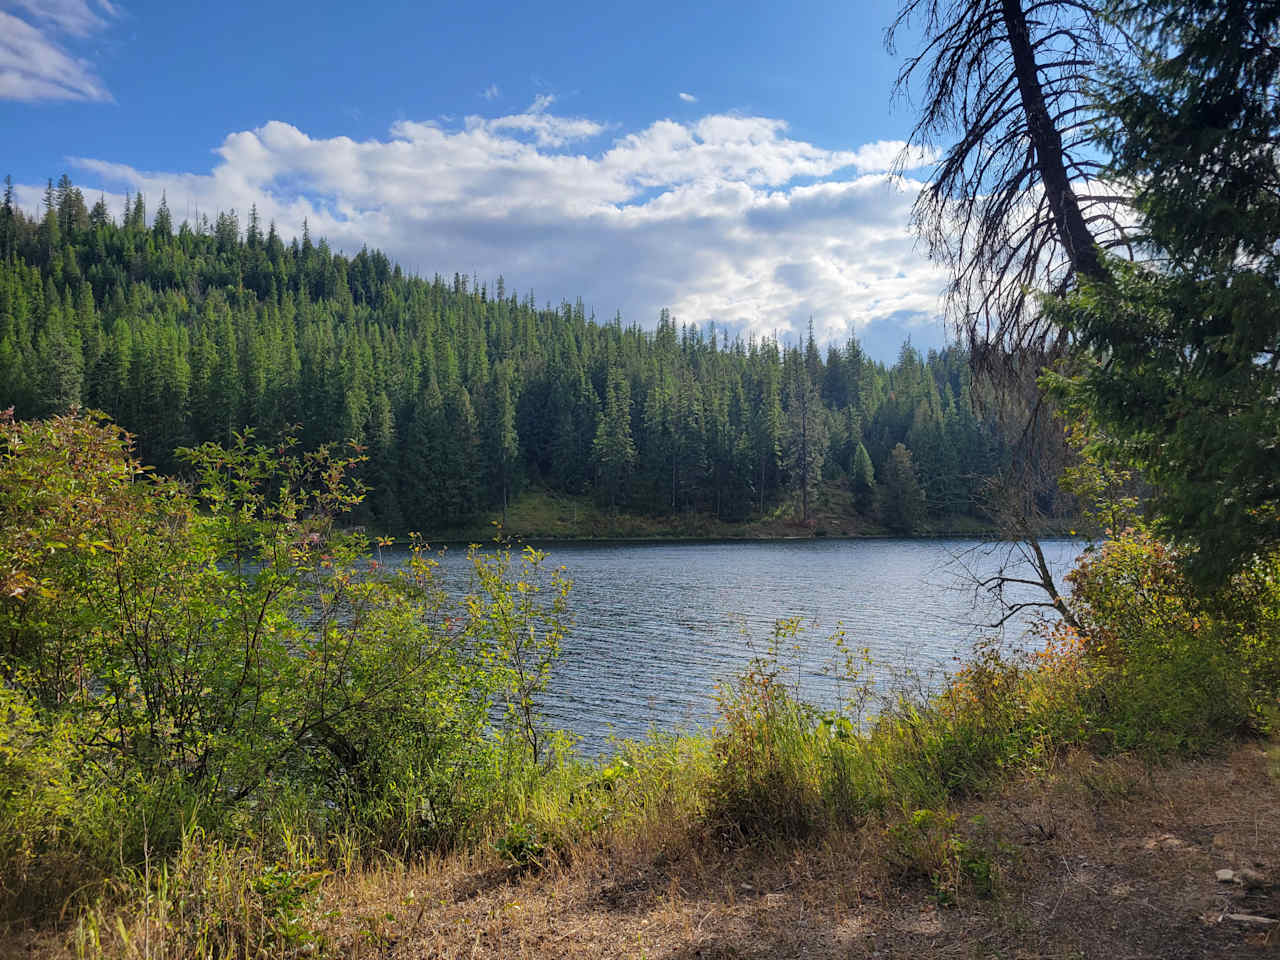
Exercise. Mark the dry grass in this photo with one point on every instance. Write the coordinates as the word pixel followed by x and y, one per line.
pixel 1096 858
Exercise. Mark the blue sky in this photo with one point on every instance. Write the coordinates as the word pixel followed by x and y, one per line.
pixel 729 161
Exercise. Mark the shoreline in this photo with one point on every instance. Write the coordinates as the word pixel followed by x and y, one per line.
pixel 541 517
pixel 455 538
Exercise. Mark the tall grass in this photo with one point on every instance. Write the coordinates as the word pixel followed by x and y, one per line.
pixel 786 767
pixel 1160 669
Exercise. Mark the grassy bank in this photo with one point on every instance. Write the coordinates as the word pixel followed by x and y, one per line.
pixel 538 515
pixel 1033 808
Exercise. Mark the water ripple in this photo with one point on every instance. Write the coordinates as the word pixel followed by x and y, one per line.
pixel 655 626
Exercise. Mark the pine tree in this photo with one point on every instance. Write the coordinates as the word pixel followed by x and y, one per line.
pixel 99 216
pixel 862 480
pixel 8 223
pixel 61 364
pixel 162 227
pixel 613 450
pixel 902 505
pixel 51 239
pixel 807 439
pixel 658 444
pixel 504 442
pixel 422 459
pixel 137 218
pixel 1184 372
pixel 461 488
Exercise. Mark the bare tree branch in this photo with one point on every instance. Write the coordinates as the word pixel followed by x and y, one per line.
pixel 1012 205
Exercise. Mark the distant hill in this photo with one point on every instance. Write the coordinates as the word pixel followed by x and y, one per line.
pixel 461 393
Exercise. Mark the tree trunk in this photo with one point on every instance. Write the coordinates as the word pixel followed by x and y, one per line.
pixel 1074 233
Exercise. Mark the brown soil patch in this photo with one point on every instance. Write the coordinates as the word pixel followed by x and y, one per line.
pixel 1110 859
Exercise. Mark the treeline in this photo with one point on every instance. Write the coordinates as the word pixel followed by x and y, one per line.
pixel 462 393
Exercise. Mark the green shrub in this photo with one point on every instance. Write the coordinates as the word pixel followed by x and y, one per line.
pixel 767 758
pixel 1179 668
pixel 522 845
pixel 223 655
pixel 770 750
pixel 39 794
pixel 784 767
pixel 927 844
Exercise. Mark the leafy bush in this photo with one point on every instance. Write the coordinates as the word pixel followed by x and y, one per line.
pixel 784 767
pixel 926 844
pixel 38 801
pixel 215 653
pixel 768 779
pixel 522 845
pixel 771 750
pixel 1182 667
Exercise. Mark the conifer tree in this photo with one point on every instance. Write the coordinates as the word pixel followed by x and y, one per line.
pixel 504 442
pixel 862 479
pixel 8 222
pixel 902 505
pixel 162 226
pixel 613 449
pixel 807 440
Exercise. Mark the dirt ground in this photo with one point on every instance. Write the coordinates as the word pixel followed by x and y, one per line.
pixel 1111 859
pixel 1107 859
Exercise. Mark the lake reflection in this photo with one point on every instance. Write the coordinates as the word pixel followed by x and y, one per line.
pixel 656 625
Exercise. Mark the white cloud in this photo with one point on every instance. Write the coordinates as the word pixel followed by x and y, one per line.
pixel 76 17
pixel 687 97
pixel 725 219
pixel 34 63
pixel 894 154
pixel 491 92
pixel 547 129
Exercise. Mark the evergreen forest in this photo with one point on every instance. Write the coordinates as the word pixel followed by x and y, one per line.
pixel 461 394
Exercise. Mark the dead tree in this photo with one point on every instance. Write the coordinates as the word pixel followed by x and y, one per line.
pixel 1017 207
pixel 1016 204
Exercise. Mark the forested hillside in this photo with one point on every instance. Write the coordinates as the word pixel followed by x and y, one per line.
pixel 462 393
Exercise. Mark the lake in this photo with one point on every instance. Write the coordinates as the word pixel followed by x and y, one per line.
pixel 657 625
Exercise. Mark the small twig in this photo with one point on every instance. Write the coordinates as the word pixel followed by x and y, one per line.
pixel 698 929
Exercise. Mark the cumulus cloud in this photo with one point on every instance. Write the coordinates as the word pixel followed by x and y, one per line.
pixel 894 155
pixel 687 97
pixel 726 219
pixel 34 62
